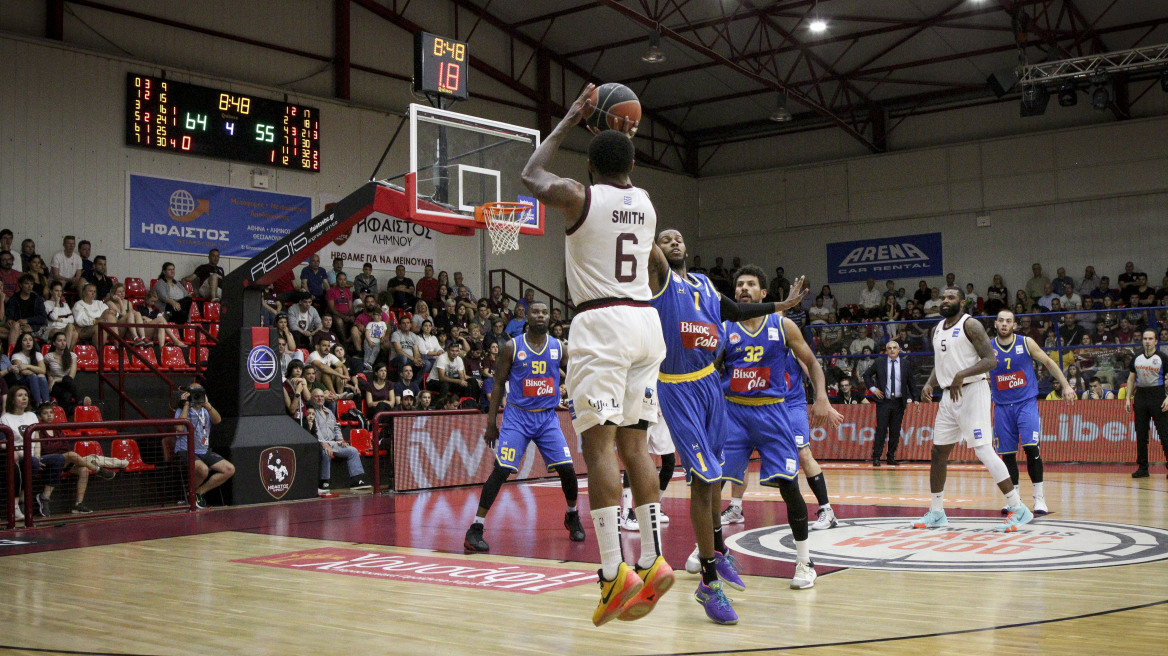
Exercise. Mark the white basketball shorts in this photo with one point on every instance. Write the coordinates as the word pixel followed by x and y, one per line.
pixel 614 354
pixel 968 419
pixel 660 440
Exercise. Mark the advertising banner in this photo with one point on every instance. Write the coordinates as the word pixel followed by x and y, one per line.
pixel 887 258
pixel 384 242
pixel 177 216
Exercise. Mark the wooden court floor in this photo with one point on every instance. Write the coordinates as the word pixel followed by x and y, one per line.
pixel 175 584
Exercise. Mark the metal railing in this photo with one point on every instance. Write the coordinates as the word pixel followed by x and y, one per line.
pixel 128 353
pixel 500 277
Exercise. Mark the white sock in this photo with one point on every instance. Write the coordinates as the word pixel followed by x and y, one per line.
pixel 1012 498
pixel 736 503
pixel 572 508
pixel 649 516
pixel 626 501
pixel 1038 491
pixel 606 522
pixel 480 520
pixel 937 502
pixel 801 553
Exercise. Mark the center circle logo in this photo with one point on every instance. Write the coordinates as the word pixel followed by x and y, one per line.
pixel 965 545
pixel 261 364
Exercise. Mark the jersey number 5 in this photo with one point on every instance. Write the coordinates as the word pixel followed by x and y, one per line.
pixel 622 259
pixel 943 346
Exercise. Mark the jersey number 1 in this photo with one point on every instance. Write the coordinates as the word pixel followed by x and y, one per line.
pixel 622 258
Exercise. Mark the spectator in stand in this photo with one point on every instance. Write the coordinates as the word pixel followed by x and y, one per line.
pixel 818 313
pixel 1085 357
pixel 1096 391
pixel 425 399
pixel 1088 283
pixel 973 303
pixel 59 315
pixel 18 417
pixel 1104 290
pixel 27 251
pixel 285 355
pixel 840 367
pixel 464 295
pixel 862 339
pixel 1128 277
pixel 333 445
pixel 1162 292
pixel 25 312
pixel 1070 331
pixel 39 273
pixel 371 330
pixel 918 331
pixel 407 381
pixel 57 458
pixel 1048 295
pixel 1057 394
pixel 518 323
pixel 849 396
pixel 326 331
pixel 421 314
pixel 495 302
pixel 923 294
pixel 1036 286
pixel 84 248
pixel 459 285
pixel 1062 283
pixel 697 267
pixel 779 286
pixel 61 370
pixel 296 392
pixel 6 238
pixel 284 331
pixel 864 364
pixel 365 283
pixel 1145 295
pixel 28 368
pixel 314 279
pixel 211 470
pixel 427 287
pixel 339 298
pixel 329 368
pixel 66 263
pixel 449 375
pixel 870 299
pixel 150 314
pixel 96 275
pixel 1164 340
pixel 831 338
pixel 431 347
pixel 996 296
pixel 407 400
pixel 1075 379
pixel 207 276
pixel 9 277
pixel 285 287
pixel 304 320
pixel 720 276
pixel 353 366
pixel 1026 328
pixel 312 379
pixel 828 299
pixel 933 305
pixel 338 267
pixel 379 392
pixel 172 299
pixel 474 362
pixel 407 347
pixel 1022 299
pixel 1134 314
pixel 402 289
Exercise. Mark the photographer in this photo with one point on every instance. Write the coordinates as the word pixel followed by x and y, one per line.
pixel 211 470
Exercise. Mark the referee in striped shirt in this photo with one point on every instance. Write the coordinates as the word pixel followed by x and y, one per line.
pixel 1145 391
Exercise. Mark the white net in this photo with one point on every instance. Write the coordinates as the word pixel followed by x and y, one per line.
pixel 503 223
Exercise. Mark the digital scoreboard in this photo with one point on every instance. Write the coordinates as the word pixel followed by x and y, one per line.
pixel 440 65
pixel 186 118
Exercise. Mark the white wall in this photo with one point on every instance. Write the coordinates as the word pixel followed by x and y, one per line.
pixel 1091 195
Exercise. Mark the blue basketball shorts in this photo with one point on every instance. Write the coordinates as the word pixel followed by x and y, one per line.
pixel 767 429
pixel 1016 425
pixel 799 423
pixel 696 413
pixel 521 427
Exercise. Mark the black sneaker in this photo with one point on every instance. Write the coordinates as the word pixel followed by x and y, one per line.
pixel 893 462
pixel 1140 473
pixel 200 502
pixel 42 505
pixel 106 474
pixel 474 539
pixel 572 523
pixel 359 483
pixel 81 509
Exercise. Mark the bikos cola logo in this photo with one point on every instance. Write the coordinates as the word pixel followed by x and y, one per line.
pixel 749 379
pixel 966 545
pixel 538 387
pixel 699 335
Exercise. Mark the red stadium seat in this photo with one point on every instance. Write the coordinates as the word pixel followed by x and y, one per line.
pixel 135 289
pixel 127 450
pixel 211 312
pixel 173 359
pixel 190 289
pixel 91 413
pixel 87 448
pixel 109 358
pixel 214 330
pixel 86 357
pixel 59 417
pixel 362 440
pixel 46 348
pixel 344 406
pixel 303 353
pixel 148 355
pixel 203 355
pixel 194 316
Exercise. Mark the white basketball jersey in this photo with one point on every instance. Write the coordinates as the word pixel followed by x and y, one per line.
pixel 953 352
pixel 607 252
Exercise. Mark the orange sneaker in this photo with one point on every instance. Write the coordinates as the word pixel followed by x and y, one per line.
pixel 657 581
pixel 615 594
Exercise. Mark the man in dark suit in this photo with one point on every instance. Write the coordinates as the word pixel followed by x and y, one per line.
pixel 890 380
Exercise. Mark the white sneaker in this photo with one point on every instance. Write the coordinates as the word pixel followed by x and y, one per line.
pixel 804 576
pixel 19 512
pixel 732 515
pixel 630 523
pixel 1040 508
pixel 693 564
pixel 826 520
pixel 663 518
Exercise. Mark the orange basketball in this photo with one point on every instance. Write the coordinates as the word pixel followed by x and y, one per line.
pixel 613 106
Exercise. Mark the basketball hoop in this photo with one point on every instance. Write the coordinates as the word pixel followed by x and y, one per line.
pixel 503 221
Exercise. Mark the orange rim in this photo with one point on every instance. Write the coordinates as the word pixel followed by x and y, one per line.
pixel 499 208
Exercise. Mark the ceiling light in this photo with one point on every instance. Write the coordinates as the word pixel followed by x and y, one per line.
pixel 654 55
pixel 781 114
pixel 1034 100
pixel 818 26
pixel 1102 91
pixel 1068 95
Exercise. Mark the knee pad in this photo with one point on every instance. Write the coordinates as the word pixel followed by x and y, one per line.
pixel 985 453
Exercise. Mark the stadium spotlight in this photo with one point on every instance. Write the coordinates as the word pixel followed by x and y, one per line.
pixel 654 55
pixel 782 114
pixel 1102 91
pixel 1068 95
pixel 1034 100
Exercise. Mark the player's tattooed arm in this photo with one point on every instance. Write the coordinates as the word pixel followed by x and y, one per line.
pixel 564 194
pixel 502 373
pixel 1041 356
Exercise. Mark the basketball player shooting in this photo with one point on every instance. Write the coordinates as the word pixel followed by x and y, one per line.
pixel 964 356
pixel 615 351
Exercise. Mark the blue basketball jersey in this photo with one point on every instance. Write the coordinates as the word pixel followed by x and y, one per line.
pixel 691 314
pixel 796 392
pixel 534 383
pixel 1013 379
pixel 756 363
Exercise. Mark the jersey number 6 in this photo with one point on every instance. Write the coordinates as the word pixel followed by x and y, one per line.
pixel 622 258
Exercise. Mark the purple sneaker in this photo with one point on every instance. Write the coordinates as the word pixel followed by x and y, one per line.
pixel 715 602
pixel 727 566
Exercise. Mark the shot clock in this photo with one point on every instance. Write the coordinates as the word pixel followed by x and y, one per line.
pixel 440 65
pixel 186 118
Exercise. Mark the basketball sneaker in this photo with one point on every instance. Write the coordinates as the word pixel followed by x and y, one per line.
pixel 359 483
pixel 656 581
pixel 714 601
pixel 615 594
pixel 804 576
pixel 1040 507
pixel 932 519
pixel 474 539
pixel 572 523
pixel 728 567
pixel 42 504
pixel 662 517
pixel 630 523
pixel 733 515
pixel 19 515
pixel 1018 516
pixel 693 564
pixel 826 520
pixel 80 509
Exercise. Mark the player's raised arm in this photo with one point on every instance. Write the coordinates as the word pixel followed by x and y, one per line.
pixel 981 343
pixel 502 374
pixel 1041 356
pixel 822 414
pixel 734 311
pixel 564 194
pixel 658 269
